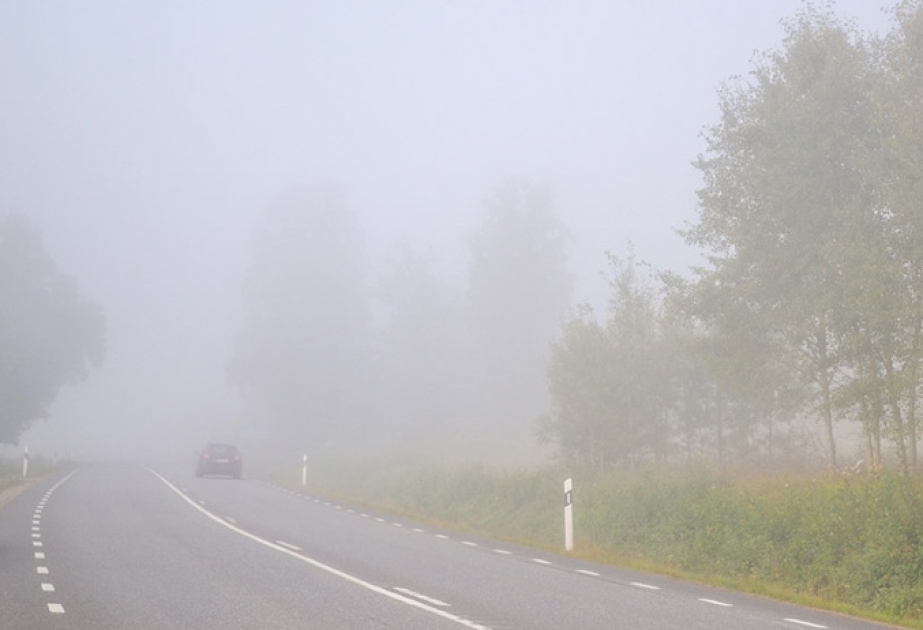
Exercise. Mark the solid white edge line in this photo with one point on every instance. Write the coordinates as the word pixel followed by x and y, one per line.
pixel 806 623
pixel 289 545
pixel 715 602
pixel 320 565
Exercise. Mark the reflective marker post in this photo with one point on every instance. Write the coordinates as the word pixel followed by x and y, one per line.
pixel 304 470
pixel 25 462
pixel 569 514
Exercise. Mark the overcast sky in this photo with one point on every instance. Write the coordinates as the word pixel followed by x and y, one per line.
pixel 146 138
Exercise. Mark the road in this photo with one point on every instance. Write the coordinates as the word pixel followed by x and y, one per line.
pixel 125 546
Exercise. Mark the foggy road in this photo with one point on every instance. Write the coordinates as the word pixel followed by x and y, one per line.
pixel 125 546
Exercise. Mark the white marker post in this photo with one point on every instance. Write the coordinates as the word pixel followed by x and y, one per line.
pixel 304 470
pixel 569 514
pixel 25 462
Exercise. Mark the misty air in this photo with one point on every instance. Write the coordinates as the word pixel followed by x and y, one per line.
pixel 461 314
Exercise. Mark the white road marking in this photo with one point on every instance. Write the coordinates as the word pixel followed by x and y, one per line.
pixel 585 572
pixel 36 528
pixel 37 543
pixel 540 561
pixel 420 596
pixel 325 567
pixel 417 530
pixel 647 586
pixel 715 602
pixel 230 519
pixel 379 519
pixel 503 552
pixel 34 535
pixel 288 545
pixel 56 608
pixel 39 555
pixel 398 524
pixel 41 570
pixel 468 543
pixel 806 623
pixel 442 536
pixel 48 588
pixel 36 522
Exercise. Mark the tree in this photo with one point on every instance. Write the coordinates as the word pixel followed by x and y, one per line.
pixel 518 289
pixel 608 382
pixel 783 185
pixel 49 335
pixel 303 356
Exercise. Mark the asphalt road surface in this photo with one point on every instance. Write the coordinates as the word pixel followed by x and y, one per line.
pixel 124 546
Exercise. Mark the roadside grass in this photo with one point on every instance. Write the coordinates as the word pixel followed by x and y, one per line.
pixel 852 545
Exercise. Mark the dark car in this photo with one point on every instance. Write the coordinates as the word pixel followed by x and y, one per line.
pixel 220 459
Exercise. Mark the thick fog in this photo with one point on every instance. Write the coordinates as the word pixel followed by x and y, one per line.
pixel 161 148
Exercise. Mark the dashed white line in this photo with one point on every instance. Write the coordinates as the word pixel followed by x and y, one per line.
pixel 421 597
pixel 41 570
pixel 417 530
pixel 503 552
pixel 56 608
pixel 807 624
pixel 379 519
pixel 48 588
pixel 398 524
pixel 36 543
pixel 468 543
pixel 442 536
pixel 715 602
pixel 540 561
pixel 39 555
pixel 590 573
pixel 650 587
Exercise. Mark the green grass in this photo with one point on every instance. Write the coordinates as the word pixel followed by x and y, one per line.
pixel 849 544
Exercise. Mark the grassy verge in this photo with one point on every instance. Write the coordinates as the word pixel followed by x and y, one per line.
pixel 853 545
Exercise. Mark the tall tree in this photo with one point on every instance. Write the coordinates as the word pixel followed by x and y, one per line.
pixel 303 356
pixel 518 289
pixel 781 185
pixel 49 335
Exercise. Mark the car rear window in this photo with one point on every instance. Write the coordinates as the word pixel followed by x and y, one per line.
pixel 222 450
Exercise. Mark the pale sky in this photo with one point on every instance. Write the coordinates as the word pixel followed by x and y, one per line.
pixel 146 138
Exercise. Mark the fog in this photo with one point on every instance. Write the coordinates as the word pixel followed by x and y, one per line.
pixel 152 143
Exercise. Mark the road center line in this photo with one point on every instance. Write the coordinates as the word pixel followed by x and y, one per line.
pixel 324 567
